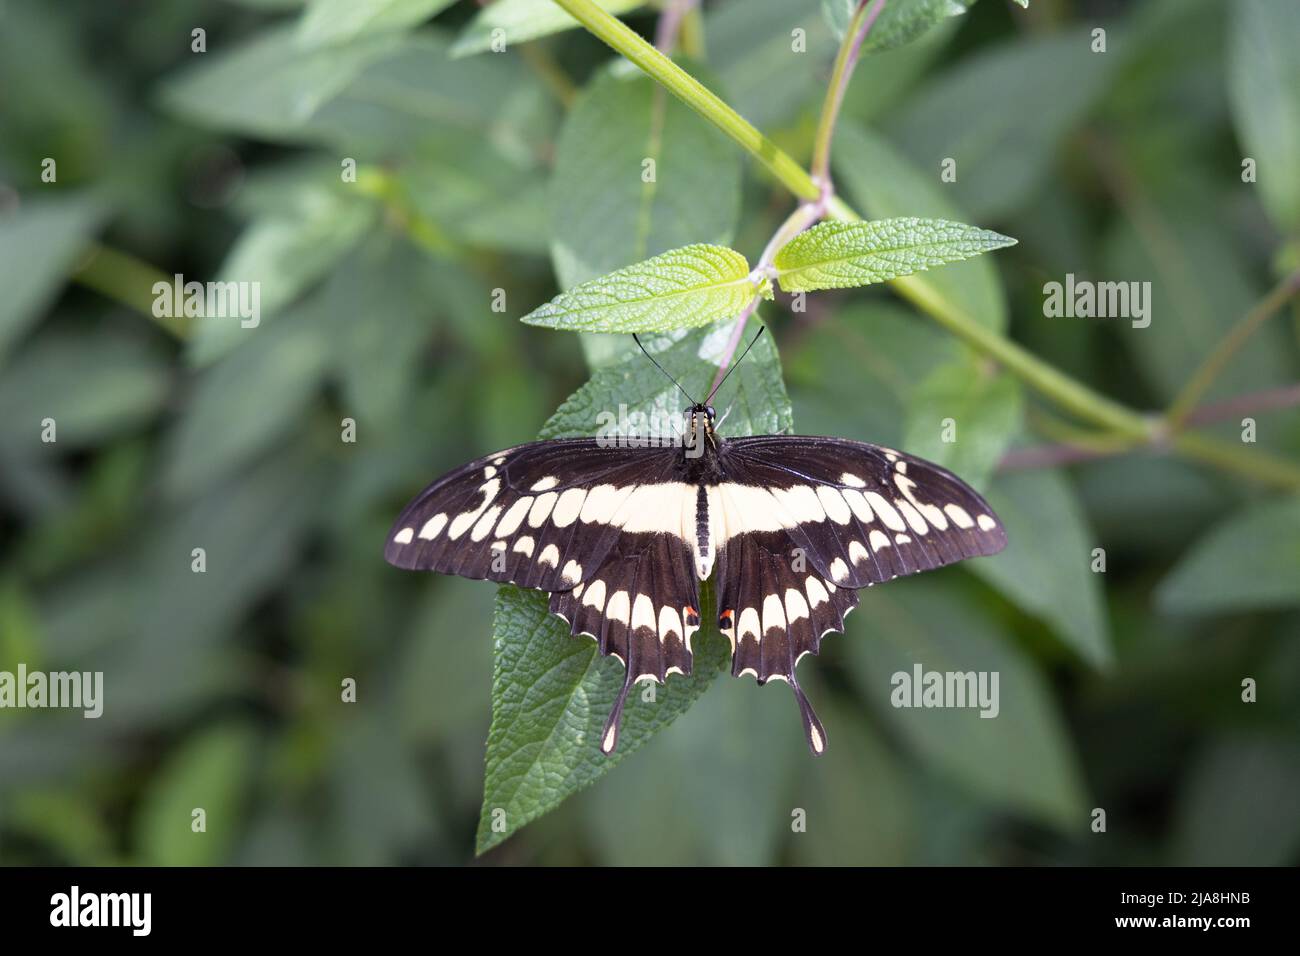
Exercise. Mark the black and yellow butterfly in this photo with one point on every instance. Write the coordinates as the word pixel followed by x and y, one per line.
pixel 619 532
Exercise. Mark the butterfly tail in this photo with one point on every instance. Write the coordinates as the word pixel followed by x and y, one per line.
pixel 812 727
pixel 609 736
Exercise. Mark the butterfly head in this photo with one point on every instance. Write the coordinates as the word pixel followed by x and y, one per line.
pixel 699 429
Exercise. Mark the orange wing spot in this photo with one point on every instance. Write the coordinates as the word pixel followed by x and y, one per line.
pixel 690 610
pixel 726 616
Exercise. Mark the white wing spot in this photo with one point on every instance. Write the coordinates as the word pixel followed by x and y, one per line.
pixel 816 593
pixel 618 607
pixel 839 570
pixel 544 484
pixel 801 502
pixel 886 511
pixel 857 552
pixel 485 523
pixel 795 605
pixel 670 622
pixel 572 572
pixel 773 613
pixel 913 516
pixel 959 516
pixel 643 612
pixel 602 503
pixel 595 596
pixel 524 546
pixel 541 509
pixel 902 539
pixel 514 516
pixel 550 555
pixel 568 507
pixel 433 526
pixel 859 505
pixel 748 625
pixel 837 509
pixel 852 480
pixel 404 536
pixel 878 539
pixel 489 471
pixel 986 523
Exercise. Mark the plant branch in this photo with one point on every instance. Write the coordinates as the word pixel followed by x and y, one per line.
pixel 553 77
pixel 804 216
pixel 129 281
pixel 1075 448
pixel 1203 378
pixel 845 61
pixel 669 26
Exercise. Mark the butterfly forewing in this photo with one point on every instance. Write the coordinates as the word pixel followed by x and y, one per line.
pixel 541 515
pixel 862 514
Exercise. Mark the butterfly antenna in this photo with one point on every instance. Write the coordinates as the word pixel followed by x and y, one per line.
pixel 736 364
pixel 661 368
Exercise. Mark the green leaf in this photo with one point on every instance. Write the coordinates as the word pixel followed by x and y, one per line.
pixel 1046 567
pixel 1238 807
pixel 1251 560
pixel 1264 88
pixel 900 22
pixel 336 21
pixel 840 255
pixel 885 183
pixel 985 408
pixel 618 123
pixel 1020 759
pixel 696 285
pixel 1002 113
pixel 270 86
pixel 40 244
pixel 286 252
pixel 246 402
pixel 95 384
pixel 212 773
pixel 1188 315
pixel 524 20
pixel 551 692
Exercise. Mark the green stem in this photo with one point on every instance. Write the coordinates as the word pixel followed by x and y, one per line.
pixel 128 281
pixel 1066 392
pixel 845 61
pixel 1203 378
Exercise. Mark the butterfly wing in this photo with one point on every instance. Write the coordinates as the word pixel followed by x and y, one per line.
pixel 803 522
pixel 542 515
pixel 605 528
pixel 864 514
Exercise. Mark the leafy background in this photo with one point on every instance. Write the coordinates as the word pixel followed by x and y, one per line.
pixel 482 171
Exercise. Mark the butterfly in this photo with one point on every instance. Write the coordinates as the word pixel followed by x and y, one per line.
pixel 621 530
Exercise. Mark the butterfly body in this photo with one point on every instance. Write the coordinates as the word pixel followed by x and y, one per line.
pixel 620 532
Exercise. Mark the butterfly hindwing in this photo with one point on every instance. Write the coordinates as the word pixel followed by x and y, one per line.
pixel 801 523
pixel 642 606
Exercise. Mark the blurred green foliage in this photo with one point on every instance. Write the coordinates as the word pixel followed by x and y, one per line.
pixel 1120 690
